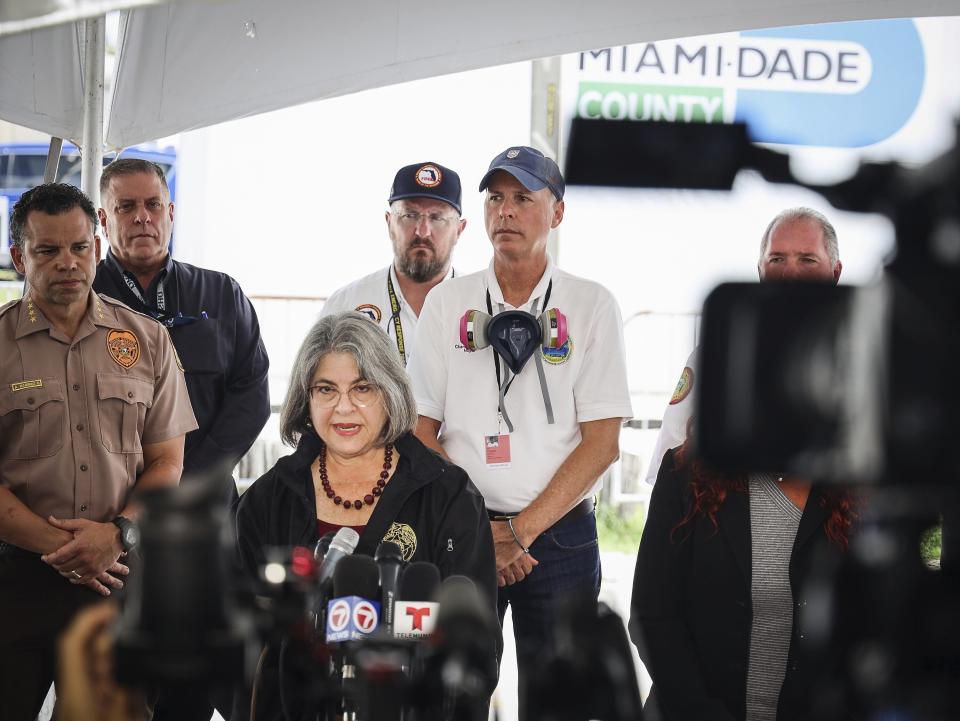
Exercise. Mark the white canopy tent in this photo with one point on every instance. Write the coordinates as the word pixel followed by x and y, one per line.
pixel 188 65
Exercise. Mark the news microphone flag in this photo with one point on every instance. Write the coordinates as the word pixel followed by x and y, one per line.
pixel 351 618
pixel 414 619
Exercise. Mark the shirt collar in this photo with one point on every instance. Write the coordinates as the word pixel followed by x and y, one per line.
pixel 32 318
pixel 114 264
pixel 496 295
pixel 392 272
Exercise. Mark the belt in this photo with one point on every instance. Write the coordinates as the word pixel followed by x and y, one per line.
pixel 585 507
pixel 11 551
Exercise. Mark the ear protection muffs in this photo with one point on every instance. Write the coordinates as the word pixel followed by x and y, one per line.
pixel 514 334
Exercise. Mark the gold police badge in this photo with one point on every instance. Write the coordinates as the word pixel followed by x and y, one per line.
pixel 403 536
pixel 124 347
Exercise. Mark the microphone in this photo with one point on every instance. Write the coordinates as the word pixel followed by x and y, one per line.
pixel 351 614
pixel 464 655
pixel 415 613
pixel 329 551
pixel 341 545
pixel 323 545
pixel 389 558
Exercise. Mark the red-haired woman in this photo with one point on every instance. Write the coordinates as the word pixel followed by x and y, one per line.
pixel 717 594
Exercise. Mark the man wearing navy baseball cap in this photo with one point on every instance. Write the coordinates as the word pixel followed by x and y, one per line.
pixel 424 223
pixel 536 442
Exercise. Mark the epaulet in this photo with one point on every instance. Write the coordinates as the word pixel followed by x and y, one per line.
pixel 7 306
pixel 120 304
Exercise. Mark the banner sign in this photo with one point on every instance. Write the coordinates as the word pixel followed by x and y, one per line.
pixel 842 84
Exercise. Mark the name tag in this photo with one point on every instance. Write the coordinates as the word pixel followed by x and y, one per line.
pixel 497 450
pixel 24 385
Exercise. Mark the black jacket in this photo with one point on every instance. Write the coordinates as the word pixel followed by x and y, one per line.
pixel 691 609
pixel 217 338
pixel 434 498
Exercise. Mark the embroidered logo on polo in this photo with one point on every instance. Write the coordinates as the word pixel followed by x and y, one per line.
pixel 123 347
pixel 403 536
pixel 557 356
pixel 684 386
pixel 429 176
pixel 371 311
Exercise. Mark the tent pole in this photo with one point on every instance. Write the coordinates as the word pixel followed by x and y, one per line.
pixel 545 121
pixel 94 43
pixel 53 160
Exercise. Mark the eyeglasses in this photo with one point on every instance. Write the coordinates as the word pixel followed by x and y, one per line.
pixel 435 220
pixel 362 395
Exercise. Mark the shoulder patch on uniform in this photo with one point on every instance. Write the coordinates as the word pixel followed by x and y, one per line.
pixel 684 386
pixel 371 311
pixel 124 347
pixel 403 536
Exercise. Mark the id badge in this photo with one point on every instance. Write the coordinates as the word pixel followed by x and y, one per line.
pixel 497 450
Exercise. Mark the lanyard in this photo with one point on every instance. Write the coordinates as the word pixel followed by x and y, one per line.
pixel 395 315
pixel 135 289
pixel 159 312
pixel 504 386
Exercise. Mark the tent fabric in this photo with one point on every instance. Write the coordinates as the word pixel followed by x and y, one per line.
pixel 210 63
pixel 189 65
pixel 41 80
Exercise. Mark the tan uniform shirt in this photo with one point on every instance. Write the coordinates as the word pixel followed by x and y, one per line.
pixel 75 413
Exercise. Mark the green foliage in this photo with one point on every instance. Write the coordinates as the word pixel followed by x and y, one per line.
pixel 930 544
pixel 619 529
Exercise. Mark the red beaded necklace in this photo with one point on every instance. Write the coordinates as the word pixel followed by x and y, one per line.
pixel 371 497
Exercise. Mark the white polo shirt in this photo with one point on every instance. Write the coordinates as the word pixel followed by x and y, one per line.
pixel 673 432
pixel 370 295
pixel 586 381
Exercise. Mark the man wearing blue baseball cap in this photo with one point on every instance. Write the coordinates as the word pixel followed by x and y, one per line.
pixel 522 366
pixel 424 223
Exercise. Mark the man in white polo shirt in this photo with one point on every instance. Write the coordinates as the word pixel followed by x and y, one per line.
pixel 534 439
pixel 799 244
pixel 424 223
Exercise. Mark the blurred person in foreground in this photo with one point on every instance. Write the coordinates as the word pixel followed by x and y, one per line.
pixel 350 411
pixel 86 689
pixel 718 592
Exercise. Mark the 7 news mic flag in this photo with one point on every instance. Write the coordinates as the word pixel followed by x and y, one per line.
pixel 352 614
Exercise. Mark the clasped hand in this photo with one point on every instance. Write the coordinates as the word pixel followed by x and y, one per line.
pixel 90 558
pixel 513 565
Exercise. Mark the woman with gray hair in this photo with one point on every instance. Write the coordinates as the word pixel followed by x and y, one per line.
pixel 349 412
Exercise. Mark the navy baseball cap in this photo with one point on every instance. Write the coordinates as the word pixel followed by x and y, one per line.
pixel 531 167
pixel 427 180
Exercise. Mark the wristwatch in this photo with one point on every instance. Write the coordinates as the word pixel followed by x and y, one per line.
pixel 129 533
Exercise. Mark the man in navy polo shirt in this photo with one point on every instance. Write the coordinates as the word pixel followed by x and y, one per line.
pixel 214 329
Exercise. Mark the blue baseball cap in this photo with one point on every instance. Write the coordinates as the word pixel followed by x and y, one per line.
pixel 427 180
pixel 532 168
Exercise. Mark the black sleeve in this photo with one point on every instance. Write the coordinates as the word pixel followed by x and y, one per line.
pixel 250 514
pixel 464 545
pixel 657 609
pixel 245 406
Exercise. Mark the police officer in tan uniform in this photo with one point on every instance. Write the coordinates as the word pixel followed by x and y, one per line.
pixel 93 407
